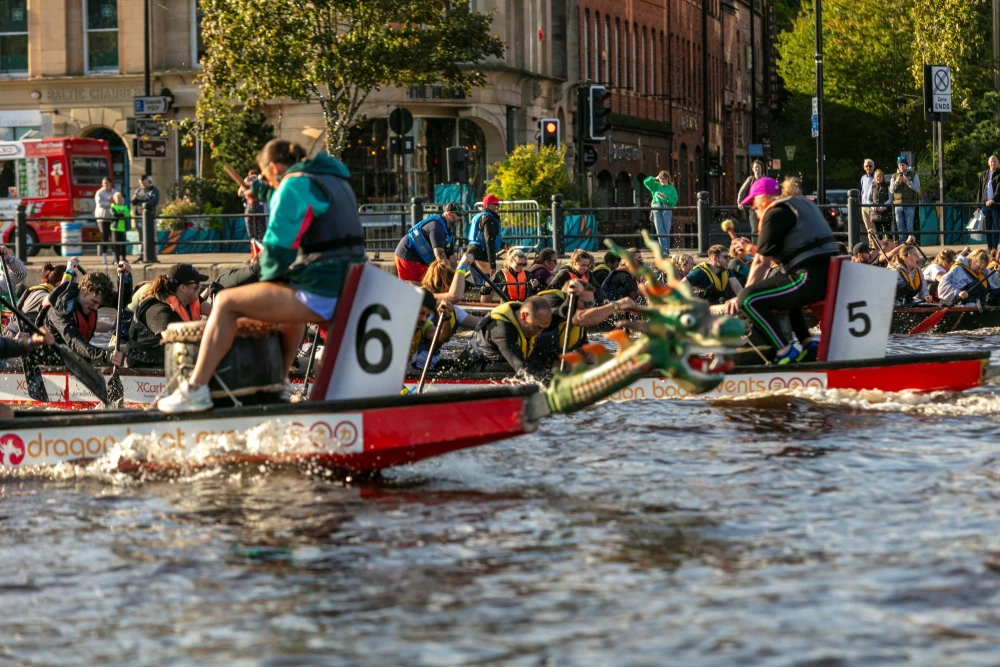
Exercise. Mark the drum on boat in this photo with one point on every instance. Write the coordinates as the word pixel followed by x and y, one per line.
pixel 253 369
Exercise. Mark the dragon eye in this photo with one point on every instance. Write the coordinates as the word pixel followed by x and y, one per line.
pixel 687 320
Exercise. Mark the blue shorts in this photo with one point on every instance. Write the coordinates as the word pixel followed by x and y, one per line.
pixel 323 306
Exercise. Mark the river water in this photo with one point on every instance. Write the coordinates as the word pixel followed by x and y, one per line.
pixel 812 528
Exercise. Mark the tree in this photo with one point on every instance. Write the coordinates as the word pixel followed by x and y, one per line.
pixel 528 173
pixel 336 52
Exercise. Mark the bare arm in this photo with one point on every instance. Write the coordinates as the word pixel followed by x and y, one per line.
pixel 758 269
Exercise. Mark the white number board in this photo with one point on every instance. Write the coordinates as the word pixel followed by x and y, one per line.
pixel 375 347
pixel 863 312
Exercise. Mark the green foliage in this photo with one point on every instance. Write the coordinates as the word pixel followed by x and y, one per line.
pixel 336 52
pixel 177 207
pixel 873 80
pixel 967 144
pixel 211 195
pixel 530 173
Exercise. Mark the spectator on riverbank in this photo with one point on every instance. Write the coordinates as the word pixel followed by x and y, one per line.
pixel 989 189
pixel 756 171
pixel 881 217
pixel 867 179
pixel 905 190
pixel 664 199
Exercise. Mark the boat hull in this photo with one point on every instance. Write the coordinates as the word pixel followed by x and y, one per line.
pixel 911 372
pixel 357 436
pixel 962 318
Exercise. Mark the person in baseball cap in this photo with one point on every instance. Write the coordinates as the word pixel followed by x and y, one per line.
pixel 795 236
pixel 862 253
pixel 429 240
pixel 486 234
pixel 173 297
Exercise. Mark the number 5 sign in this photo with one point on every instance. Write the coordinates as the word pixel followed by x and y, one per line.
pixel 862 314
pixel 368 343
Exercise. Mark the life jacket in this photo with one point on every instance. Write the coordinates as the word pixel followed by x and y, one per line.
pixel 972 275
pixel 718 282
pixel 476 235
pixel 576 332
pixel 505 313
pixel 418 335
pixel 336 233
pixel 912 286
pixel 87 324
pixel 809 238
pixel 620 283
pixel 419 242
pixel 517 286
pixel 177 307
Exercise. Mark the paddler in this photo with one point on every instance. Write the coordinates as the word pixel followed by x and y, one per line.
pixel 620 283
pixel 486 234
pixel 173 297
pixel 795 234
pixel 73 315
pixel 910 283
pixel 604 269
pixel 586 313
pixel 34 298
pixel 424 333
pixel 430 239
pixel 513 279
pixel 967 282
pixel 313 235
pixel 578 268
pixel 711 280
pixel 508 335
pixel 943 261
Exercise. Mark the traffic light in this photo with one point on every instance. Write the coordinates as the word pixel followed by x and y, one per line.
pixel 549 132
pixel 458 164
pixel 598 108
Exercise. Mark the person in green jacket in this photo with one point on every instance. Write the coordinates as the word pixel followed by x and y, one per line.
pixel 313 235
pixel 664 199
pixel 121 213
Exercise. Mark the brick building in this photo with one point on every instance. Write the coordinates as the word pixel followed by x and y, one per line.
pixel 649 53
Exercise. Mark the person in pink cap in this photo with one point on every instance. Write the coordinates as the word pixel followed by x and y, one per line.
pixel 486 235
pixel 795 235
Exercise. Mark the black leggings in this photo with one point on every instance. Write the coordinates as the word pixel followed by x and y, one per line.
pixel 785 291
pixel 105 225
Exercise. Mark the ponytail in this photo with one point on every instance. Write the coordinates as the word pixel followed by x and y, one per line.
pixel 161 287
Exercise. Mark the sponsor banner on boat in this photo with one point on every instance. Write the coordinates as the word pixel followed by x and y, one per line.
pixel 341 433
pixel 732 385
pixel 141 389
pixel 14 388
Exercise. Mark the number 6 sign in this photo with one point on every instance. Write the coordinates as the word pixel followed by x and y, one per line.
pixel 369 340
pixel 862 314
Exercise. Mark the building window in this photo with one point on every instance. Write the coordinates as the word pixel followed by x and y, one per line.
pixel 611 54
pixel 13 37
pixel 597 47
pixel 586 45
pixel 197 42
pixel 100 36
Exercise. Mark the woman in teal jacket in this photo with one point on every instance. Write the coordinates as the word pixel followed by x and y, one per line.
pixel 664 199
pixel 313 235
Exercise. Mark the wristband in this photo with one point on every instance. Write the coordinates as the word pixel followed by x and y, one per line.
pixel 464 268
pixel 71 274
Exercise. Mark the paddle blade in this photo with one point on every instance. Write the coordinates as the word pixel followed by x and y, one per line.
pixel 87 374
pixel 930 322
pixel 116 391
pixel 33 378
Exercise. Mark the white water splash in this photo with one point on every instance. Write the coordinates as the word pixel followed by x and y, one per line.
pixel 938 403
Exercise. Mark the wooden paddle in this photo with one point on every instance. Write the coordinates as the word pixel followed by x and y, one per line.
pixel 77 365
pixel 237 179
pixel 430 353
pixel 116 392
pixel 503 296
pixel 32 376
pixel 312 360
pixel 569 326
pixel 930 322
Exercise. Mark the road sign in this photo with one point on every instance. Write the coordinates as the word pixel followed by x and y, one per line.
pixel 815 106
pixel 400 120
pixel 815 126
pixel 401 145
pixel 790 152
pixel 150 128
pixel 776 164
pixel 150 106
pixel 589 156
pixel 941 84
pixel 755 150
pixel 766 143
pixel 151 148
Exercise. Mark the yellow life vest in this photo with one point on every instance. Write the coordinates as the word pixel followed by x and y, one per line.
pixel 914 282
pixel 505 313
pixel 575 332
pixel 978 277
pixel 418 336
pixel 719 282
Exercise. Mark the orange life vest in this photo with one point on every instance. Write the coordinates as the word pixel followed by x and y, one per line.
pixel 175 305
pixel 517 286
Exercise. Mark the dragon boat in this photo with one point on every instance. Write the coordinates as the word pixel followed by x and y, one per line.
pixel 356 419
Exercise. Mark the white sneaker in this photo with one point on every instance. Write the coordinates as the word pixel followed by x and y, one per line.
pixel 186 399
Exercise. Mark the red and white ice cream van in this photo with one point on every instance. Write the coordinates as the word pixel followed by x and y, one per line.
pixel 56 179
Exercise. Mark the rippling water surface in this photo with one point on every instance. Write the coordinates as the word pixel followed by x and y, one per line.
pixel 814 528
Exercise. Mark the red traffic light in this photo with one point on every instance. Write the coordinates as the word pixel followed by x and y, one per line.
pixel 550 128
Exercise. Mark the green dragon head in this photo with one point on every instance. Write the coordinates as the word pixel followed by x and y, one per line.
pixel 679 337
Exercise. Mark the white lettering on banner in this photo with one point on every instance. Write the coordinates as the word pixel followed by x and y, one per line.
pixel 732 385
pixel 376 342
pixel 333 433
pixel 863 313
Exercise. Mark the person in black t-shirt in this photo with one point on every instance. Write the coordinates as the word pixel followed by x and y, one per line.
pixel 795 234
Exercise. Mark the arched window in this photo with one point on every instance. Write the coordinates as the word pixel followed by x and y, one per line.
pixel 635 38
pixel 626 38
pixel 586 45
pixel 597 46
pixel 608 48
